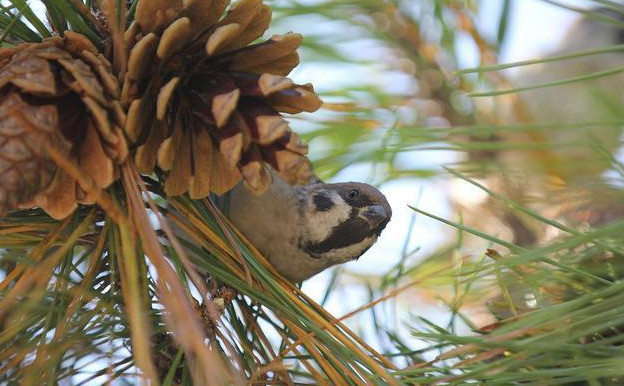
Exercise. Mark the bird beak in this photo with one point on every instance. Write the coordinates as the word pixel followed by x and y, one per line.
pixel 375 215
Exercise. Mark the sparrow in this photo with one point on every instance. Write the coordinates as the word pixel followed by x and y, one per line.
pixel 304 229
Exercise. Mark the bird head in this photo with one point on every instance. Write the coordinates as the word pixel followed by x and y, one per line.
pixel 343 220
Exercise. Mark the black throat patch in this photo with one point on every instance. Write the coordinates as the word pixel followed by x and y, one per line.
pixel 350 232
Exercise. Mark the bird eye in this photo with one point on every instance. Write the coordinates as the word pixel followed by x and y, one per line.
pixel 353 194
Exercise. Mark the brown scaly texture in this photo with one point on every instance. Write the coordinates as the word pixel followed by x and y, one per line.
pixel 204 105
pixel 60 93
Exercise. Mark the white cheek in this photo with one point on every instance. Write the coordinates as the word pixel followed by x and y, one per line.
pixel 320 224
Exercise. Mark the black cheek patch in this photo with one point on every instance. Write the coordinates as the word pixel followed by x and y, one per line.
pixel 322 203
pixel 348 233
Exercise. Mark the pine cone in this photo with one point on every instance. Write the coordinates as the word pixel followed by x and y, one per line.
pixel 203 105
pixel 59 93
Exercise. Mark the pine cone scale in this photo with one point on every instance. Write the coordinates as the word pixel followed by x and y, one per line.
pixel 204 12
pixel 263 53
pixel 202 148
pixel 220 37
pixel 252 30
pixel 33 75
pixel 85 80
pixel 173 38
pixel 155 15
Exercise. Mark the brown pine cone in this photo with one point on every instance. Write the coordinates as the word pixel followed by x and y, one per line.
pixel 204 105
pixel 61 94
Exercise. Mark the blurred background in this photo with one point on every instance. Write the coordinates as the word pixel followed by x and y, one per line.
pixel 399 111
